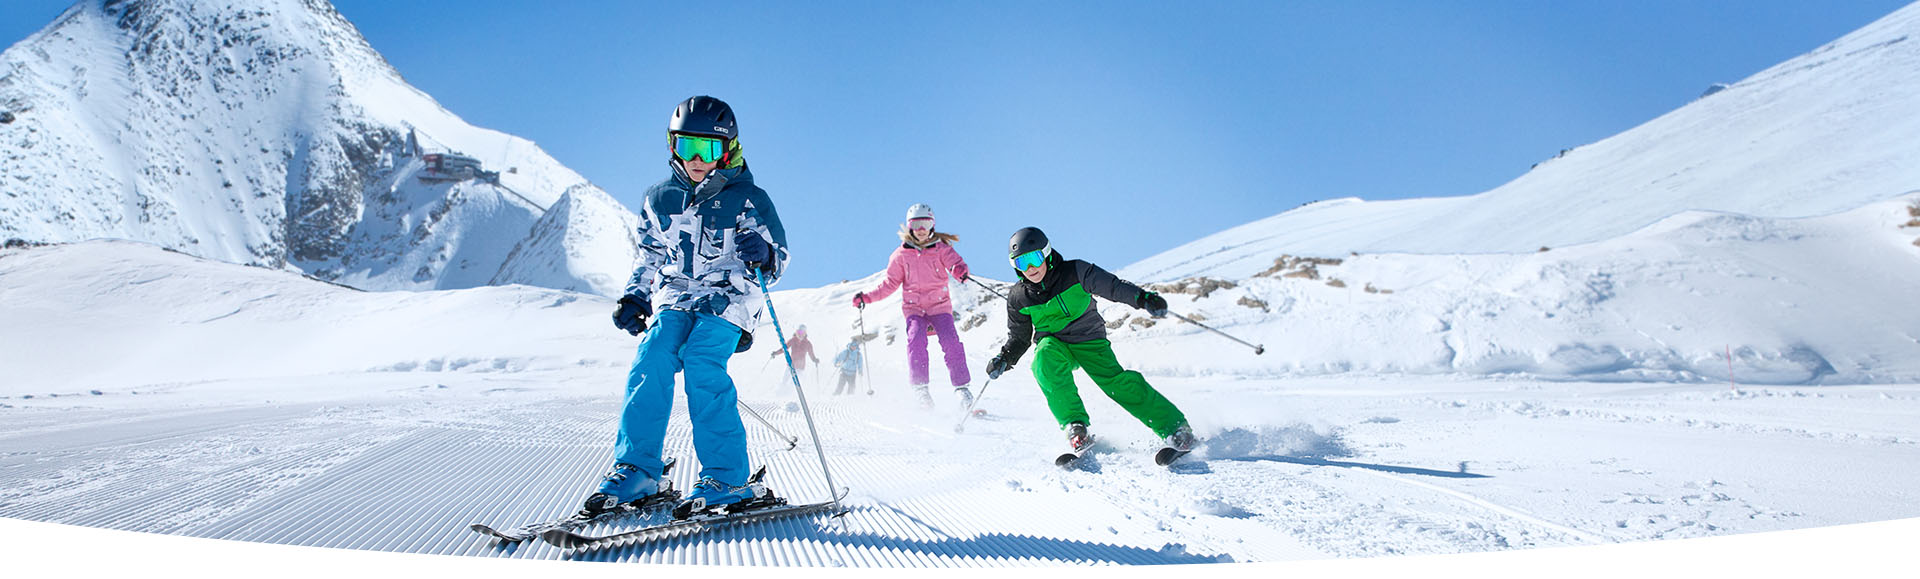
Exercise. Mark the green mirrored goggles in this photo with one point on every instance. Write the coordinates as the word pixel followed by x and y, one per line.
pixel 1029 259
pixel 705 149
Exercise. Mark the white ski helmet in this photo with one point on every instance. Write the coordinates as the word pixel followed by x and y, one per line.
pixel 919 211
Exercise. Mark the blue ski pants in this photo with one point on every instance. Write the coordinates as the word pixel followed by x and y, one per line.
pixel 700 344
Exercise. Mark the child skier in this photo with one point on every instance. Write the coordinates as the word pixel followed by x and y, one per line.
pixel 922 264
pixel 1053 305
pixel 802 350
pixel 848 362
pixel 706 232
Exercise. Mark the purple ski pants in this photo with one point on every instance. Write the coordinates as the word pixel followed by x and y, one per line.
pixel 950 346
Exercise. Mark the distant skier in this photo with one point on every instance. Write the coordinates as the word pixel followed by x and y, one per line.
pixel 801 348
pixel 848 362
pixel 705 233
pixel 922 264
pixel 1053 304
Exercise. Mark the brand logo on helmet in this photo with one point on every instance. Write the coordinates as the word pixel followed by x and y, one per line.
pixel 721 130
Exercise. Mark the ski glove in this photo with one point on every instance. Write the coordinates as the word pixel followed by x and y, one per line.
pixel 753 249
pixel 1155 305
pixel 860 300
pixel 632 314
pixel 997 366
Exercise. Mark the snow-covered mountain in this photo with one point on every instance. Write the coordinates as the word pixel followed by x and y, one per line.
pixel 568 244
pixel 266 132
pixel 1619 260
pixel 1826 132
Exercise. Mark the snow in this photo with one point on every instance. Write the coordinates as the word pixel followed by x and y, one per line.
pixel 352 425
pixel 1665 303
pixel 1697 330
pixel 1819 134
pixel 562 246
pixel 264 132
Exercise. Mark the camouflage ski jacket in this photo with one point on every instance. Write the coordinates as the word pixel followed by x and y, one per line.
pixel 687 257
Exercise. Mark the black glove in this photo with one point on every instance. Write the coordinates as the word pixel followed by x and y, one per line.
pixel 997 366
pixel 632 314
pixel 753 249
pixel 1155 305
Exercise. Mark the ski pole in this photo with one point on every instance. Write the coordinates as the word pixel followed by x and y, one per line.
pixel 989 288
pixel 792 441
pixel 832 489
pixel 864 360
pixel 962 425
pixel 1257 350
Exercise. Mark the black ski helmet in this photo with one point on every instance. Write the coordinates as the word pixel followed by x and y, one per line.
pixel 1028 239
pixel 705 116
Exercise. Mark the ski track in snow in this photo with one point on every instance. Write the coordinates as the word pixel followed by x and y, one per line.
pixel 408 470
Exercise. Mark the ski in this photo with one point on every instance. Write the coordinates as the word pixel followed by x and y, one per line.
pixel 642 505
pixel 1166 455
pixel 1071 460
pixel 698 523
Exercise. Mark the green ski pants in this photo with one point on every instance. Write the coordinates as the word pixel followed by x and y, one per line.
pixel 1053 367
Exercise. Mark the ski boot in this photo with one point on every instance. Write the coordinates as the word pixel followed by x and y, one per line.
pixel 1175 446
pixel 624 485
pixel 926 399
pixel 1079 438
pixel 966 401
pixel 1181 439
pixel 710 494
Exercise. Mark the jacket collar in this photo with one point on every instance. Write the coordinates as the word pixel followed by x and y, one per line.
pixel 1053 273
pixel 734 175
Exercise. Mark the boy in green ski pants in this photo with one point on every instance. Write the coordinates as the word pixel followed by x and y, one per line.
pixel 1053 305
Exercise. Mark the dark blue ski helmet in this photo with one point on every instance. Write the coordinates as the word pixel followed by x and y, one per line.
pixel 705 116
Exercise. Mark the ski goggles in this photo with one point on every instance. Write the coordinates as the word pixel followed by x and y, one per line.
pixel 705 149
pixel 921 223
pixel 1029 259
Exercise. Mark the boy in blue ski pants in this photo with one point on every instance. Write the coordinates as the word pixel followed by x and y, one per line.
pixel 708 238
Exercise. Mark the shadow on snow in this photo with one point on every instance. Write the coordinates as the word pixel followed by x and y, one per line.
pixel 908 552
pixel 1305 461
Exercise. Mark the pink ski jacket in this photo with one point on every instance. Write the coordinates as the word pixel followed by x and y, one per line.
pixel 924 273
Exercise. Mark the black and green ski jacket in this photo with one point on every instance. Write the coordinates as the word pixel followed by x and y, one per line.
pixel 1061 305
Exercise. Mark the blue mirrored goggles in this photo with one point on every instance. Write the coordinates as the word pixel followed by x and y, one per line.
pixel 1029 259
pixel 705 149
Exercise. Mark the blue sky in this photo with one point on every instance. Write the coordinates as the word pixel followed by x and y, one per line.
pixel 1121 128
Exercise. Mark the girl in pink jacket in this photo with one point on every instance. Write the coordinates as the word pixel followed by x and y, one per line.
pixel 921 266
